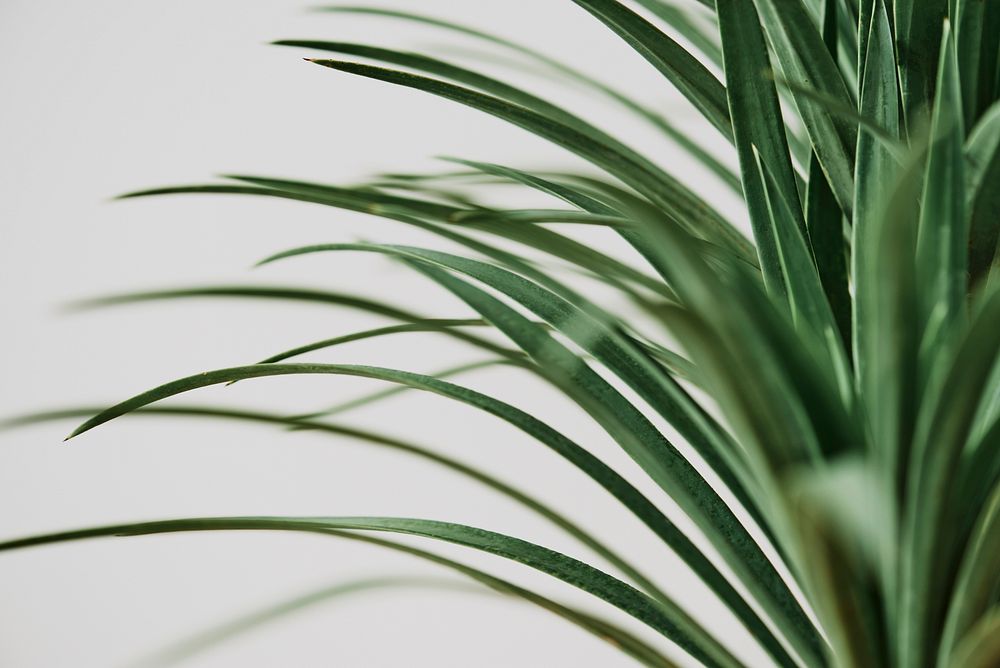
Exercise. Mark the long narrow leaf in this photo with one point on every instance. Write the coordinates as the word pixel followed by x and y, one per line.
pixel 803 58
pixel 757 122
pixel 673 625
pixel 982 161
pixel 619 418
pixel 374 438
pixel 632 169
pixel 570 73
pixel 682 69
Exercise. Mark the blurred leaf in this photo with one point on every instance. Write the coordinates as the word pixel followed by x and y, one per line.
pixel 918 25
pixel 982 169
pixel 943 236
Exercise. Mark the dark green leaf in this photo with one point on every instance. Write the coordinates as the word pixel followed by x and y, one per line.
pixel 375 438
pixel 803 59
pixel 982 162
pixel 918 25
pixel 646 178
pixel 943 236
pixel 682 69
pixel 672 624
pixel 757 122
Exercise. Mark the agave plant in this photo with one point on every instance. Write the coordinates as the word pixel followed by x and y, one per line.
pixel 834 380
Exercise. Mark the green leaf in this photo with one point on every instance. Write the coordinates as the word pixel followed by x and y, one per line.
pixel 574 196
pixel 616 415
pixel 839 514
pixel 415 322
pixel 593 467
pixel 845 111
pixel 825 225
pixel 604 267
pixel 982 163
pixel 682 69
pixel 760 382
pixel 638 504
pixel 428 325
pixel 883 273
pixel 195 644
pixel 457 74
pixel 374 438
pixel 976 581
pixel 523 216
pixel 981 647
pixel 586 462
pixel 688 27
pixel 989 60
pixel 943 236
pixel 366 201
pixel 412 212
pixel 824 219
pixel 811 314
pixel 803 59
pixel 969 20
pixel 582 199
pixel 942 433
pixel 631 168
pixel 918 31
pixel 600 264
pixel 756 122
pixel 588 327
pixel 569 73
pixel 616 272
pixel 673 624
pixel 381 395
pixel 810 311
pixel 846 36
pixel 882 270
pixel 255 292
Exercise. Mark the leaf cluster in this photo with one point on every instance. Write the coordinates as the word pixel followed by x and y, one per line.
pixel 848 480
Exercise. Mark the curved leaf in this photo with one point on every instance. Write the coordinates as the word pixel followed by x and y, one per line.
pixel 611 481
pixel 982 168
pixel 682 69
pixel 943 235
pixel 646 178
pixel 195 644
pixel 942 432
pixel 615 414
pixel 570 73
pixel 672 624
pixel 756 122
pixel 375 438
pixel 428 325
pixel 803 58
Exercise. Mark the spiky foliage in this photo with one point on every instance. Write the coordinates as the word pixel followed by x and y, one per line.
pixel 848 352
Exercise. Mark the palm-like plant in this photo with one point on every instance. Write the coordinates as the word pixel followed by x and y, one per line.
pixel 837 377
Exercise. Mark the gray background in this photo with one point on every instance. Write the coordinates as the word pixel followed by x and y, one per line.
pixel 101 97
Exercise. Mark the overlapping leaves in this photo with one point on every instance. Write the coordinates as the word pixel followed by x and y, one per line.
pixel 849 351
